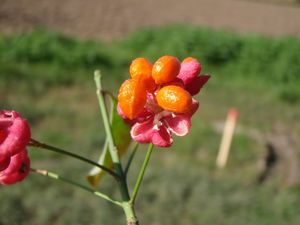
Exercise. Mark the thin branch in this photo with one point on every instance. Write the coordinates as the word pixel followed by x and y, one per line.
pixel 38 144
pixel 78 185
pixel 135 148
pixel 111 144
pixel 141 174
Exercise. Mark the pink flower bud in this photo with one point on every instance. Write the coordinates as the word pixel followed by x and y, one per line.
pixel 14 133
pixel 17 169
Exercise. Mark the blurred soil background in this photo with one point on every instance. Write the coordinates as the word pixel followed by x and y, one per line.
pixel 94 19
pixel 48 52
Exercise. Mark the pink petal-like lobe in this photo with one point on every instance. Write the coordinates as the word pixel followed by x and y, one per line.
pixel 179 124
pixel 143 132
pixel 162 137
pixel 195 86
pixel 194 107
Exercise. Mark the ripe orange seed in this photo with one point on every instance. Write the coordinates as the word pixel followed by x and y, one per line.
pixel 174 98
pixel 142 68
pixel 165 69
pixel 132 97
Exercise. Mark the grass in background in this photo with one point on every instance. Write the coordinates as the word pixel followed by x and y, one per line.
pixel 44 57
pixel 49 78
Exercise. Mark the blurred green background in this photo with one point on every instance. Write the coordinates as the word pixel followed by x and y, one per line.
pixel 48 78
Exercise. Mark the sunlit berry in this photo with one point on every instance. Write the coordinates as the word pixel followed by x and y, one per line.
pixel 142 68
pixel 132 97
pixel 174 98
pixel 165 69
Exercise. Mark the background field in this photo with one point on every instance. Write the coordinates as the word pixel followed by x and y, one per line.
pixel 48 53
pixel 48 77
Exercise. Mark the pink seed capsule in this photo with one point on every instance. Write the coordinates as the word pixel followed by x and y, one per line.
pixel 14 133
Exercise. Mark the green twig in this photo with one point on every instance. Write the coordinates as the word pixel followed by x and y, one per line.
pixel 127 206
pixel 66 180
pixel 38 144
pixel 141 174
pixel 111 144
pixel 135 148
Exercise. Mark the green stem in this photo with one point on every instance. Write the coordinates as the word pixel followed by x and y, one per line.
pixel 141 174
pixel 135 148
pixel 66 180
pixel 112 148
pixel 127 206
pixel 130 213
pixel 38 144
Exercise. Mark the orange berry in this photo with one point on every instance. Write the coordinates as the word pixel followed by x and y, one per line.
pixel 165 69
pixel 132 97
pixel 142 68
pixel 174 98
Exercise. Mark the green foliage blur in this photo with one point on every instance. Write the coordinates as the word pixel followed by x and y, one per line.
pixel 48 78
pixel 255 58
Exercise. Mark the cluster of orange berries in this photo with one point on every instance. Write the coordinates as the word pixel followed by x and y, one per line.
pixel 159 78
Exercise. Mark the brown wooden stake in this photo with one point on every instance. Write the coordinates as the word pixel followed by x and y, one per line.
pixel 227 138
